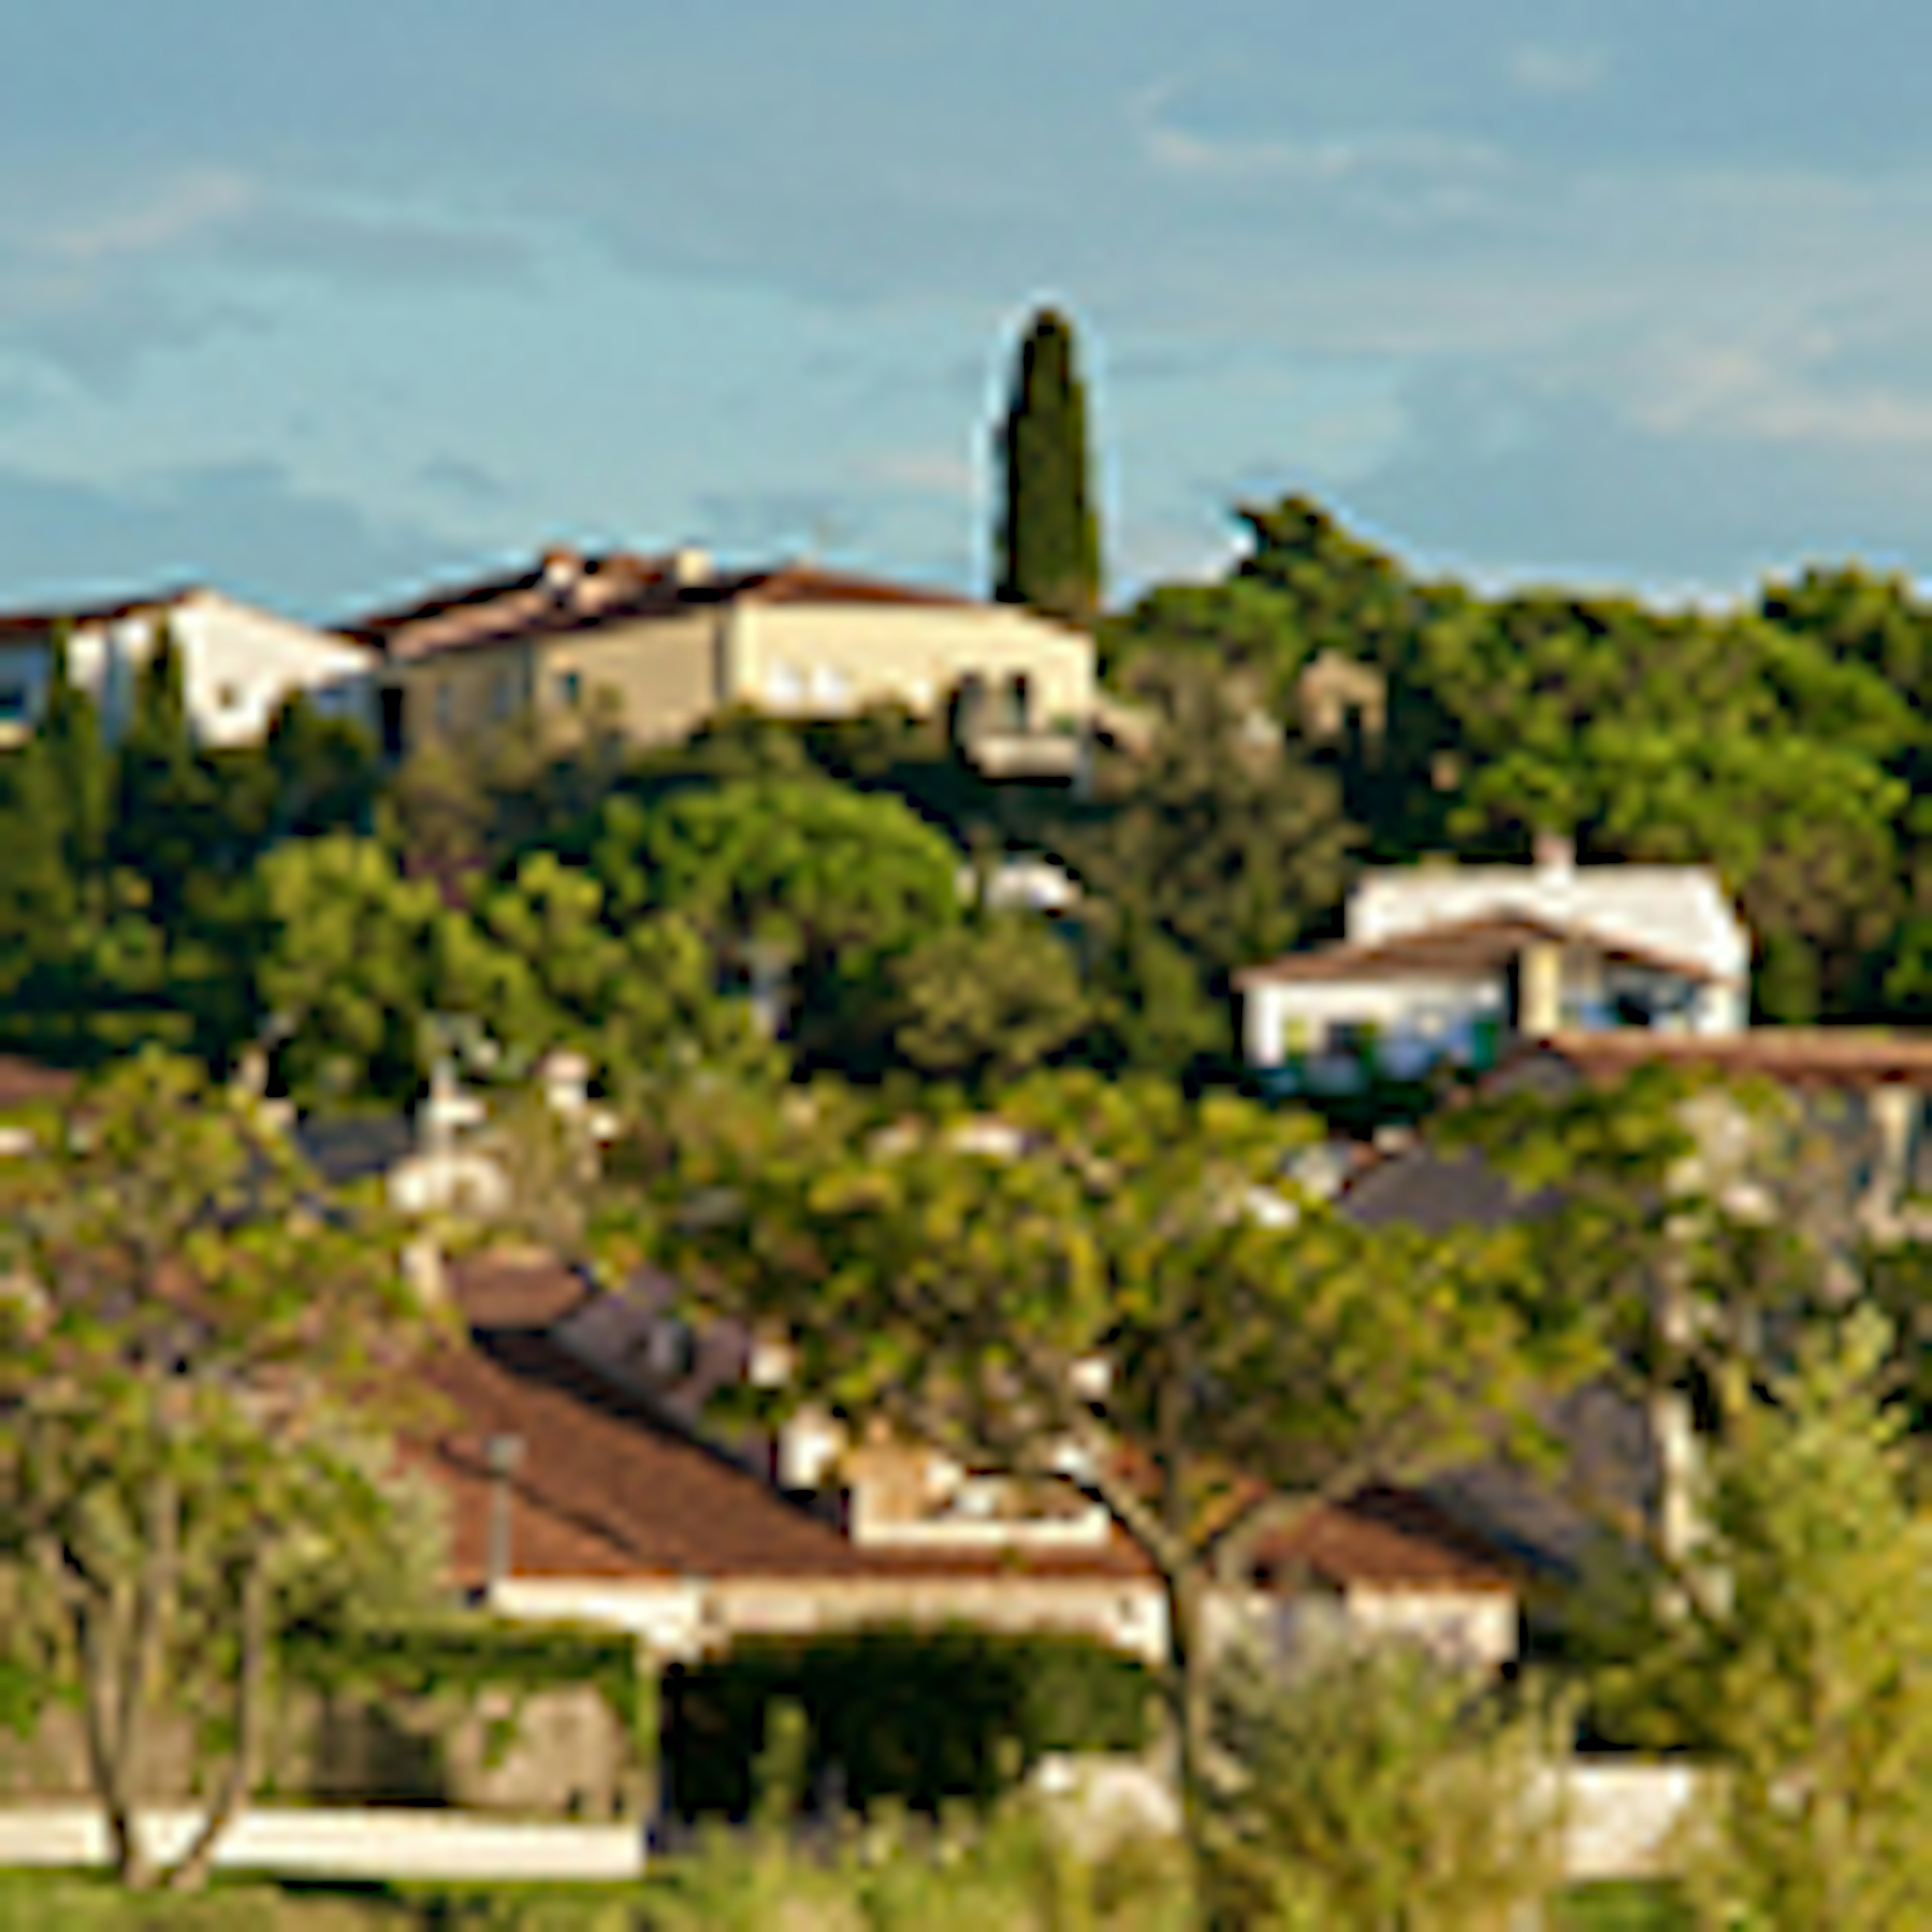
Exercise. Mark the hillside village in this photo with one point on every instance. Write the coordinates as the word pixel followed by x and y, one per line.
pixel 712 1122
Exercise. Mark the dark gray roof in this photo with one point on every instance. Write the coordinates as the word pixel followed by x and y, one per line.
pixel 356 1148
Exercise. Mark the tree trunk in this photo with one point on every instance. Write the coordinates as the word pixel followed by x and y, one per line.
pixel 1186 1685
pixel 239 1780
pixel 107 1722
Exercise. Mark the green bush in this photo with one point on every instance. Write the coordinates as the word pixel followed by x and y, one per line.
pixel 922 1716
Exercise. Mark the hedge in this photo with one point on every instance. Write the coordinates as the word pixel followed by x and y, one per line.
pixel 920 1715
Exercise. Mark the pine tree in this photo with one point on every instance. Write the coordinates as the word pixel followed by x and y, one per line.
pixel 1048 540
pixel 1818 1681
pixel 1795 1652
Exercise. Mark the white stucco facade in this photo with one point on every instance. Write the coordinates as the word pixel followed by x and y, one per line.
pixel 1415 1021
pixel 1681 912
pixel 1440 960
pixel 239 665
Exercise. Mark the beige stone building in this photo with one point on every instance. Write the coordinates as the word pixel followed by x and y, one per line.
pixel 666 643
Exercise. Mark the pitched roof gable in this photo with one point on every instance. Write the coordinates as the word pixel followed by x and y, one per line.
pixel 1462 949
pixel 608 1488
pixel 566 592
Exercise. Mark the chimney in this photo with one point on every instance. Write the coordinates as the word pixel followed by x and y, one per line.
pixel 1540 988
pixel 566 1083
pixel 690 566
pixel 503 1454
pixel 562 569
pixel 1555 853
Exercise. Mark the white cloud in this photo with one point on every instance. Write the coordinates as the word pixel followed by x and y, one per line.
pixel 1542 69
pixel 1775 392
pixel 931 472
pixel 1375 158
pixel 185 208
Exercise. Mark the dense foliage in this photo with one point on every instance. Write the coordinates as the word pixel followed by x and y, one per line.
pixel 923 1716
pixel 1778 742
pixel 199 1351
pixel 589 894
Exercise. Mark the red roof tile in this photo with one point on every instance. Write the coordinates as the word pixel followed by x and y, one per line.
pixel 499 1291
pixel 33 624
pixel 622 587
pixel 1799 1056
pixel 607 1488
pixel 26 1083
pixel 1385 1538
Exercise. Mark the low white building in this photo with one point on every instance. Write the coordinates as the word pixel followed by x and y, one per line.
pixel 1445 962
pixel 240 664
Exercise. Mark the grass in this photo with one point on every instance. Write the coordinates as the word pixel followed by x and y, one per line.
pixel 1620 1908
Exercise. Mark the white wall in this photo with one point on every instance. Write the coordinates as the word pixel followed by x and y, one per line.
pixel 387 1843
pixel 820 659
pixel 1679 910
pixel 1476 1627
pixel 238 666
pixel 1415 1019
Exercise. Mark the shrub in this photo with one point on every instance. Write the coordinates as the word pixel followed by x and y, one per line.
pixel 1376 1789
pixel 920 1715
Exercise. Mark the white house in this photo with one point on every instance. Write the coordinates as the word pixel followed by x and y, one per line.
pixel 239 663
pixel 1446 961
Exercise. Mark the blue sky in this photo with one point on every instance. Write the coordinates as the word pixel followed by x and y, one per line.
pixel 320 302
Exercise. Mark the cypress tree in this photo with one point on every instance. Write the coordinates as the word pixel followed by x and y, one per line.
pixel 1048 547
pixel 82 767
pixel 165 827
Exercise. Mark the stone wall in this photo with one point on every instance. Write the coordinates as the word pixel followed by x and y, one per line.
pixel 557 1751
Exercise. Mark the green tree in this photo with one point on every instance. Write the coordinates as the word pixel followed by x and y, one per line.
pixel 167 819
pixel 1152 1013
pixel 537 963
pixel 38 897
pixel 1220 836
pixel 801 887
pixel 1376 1793
pixel 1797 1648
pixel 196 1348
pixel 70 730
pixel 325 772
pixel 1112 1280
pixel 1047 547
pixel 348 965
pixel 985 1003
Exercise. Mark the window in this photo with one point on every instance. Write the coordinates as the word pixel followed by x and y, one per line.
pixel 784 688
pixel 503 694
pixel 570 688
pixel 228 697
pixel 830 689
pixel 12 703
pixel 445 707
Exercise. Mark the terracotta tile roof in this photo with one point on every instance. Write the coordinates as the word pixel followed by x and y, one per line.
pixel 608 1489
pixel 568 592
pixel 604 1489
pixel 1462 949
pixel 1799 1056
pixel 495 1291
pixel 16 625
pixel 1385 1538
pixel 26 1083
pixel 807 584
